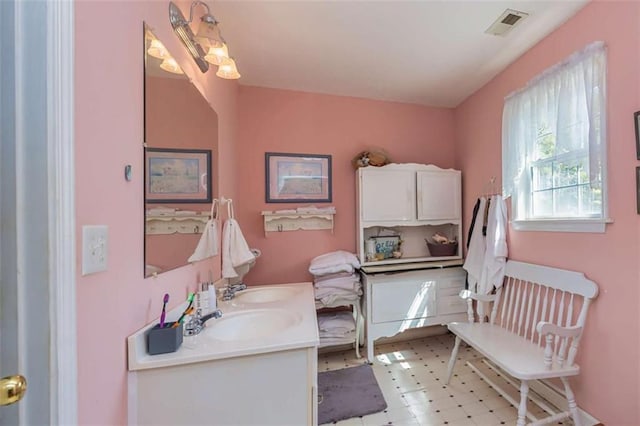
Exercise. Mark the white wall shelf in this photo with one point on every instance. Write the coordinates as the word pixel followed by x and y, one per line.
pixel 176 224
pixel 279 222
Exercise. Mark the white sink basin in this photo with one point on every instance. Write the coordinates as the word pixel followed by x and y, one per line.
pixel 265 294
pixel 251 324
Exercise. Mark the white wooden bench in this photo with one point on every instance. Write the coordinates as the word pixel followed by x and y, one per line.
pixel 535 324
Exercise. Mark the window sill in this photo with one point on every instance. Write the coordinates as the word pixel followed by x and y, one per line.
pixel 561 225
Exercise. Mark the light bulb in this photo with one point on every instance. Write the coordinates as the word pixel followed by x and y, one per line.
pixel 157 49
pixel 170 65
pixel 228 70
pixel 217 55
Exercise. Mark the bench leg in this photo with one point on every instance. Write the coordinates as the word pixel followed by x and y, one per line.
pixel 452 360
pixel 522 409
pixel 573 406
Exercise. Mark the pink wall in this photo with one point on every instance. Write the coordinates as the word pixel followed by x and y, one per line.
pixel 608 384
pixel 272 120
pixel 108 134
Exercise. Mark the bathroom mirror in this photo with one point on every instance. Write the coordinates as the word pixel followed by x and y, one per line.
pixel 180 161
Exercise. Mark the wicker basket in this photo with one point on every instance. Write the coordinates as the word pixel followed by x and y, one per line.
pixel 437 250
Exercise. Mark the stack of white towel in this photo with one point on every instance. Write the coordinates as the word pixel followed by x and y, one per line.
pixel 336 328
pixel 341 285
pixel 335 277
pixel 336 280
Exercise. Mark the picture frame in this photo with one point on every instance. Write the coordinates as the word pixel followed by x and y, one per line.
pixel 638 190
pixel 297 178
pixel 636 120
pixel 177 175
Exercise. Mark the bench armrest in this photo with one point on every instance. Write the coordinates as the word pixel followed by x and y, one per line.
pixel 544 328
pixel 468 294
pixel 548 330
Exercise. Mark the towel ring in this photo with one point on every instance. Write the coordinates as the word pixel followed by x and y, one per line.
pixel 215 209
pixel 230 208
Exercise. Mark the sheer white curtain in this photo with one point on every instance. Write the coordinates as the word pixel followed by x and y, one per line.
pixel 567 100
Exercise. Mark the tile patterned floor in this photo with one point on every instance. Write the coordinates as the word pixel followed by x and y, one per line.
pixel 411 376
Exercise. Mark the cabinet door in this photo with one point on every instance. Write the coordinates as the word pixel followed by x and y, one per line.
pixel 438 195
pixel 387 195
pixel 403 299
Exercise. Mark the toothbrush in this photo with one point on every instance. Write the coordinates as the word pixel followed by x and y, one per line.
pixel 164 309
pixel 186 311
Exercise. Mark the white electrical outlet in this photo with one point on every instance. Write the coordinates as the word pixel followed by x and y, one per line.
pixel 94 248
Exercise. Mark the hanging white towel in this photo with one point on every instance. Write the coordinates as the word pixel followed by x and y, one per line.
pixel 208 244
pixel 235 251
pixel 474 262
pixel 496 250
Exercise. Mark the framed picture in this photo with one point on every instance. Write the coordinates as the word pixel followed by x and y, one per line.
pixel 177 175
pixel 297 178
pixel 638 190
pixel 636 119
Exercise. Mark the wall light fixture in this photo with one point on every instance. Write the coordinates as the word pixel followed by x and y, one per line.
pixel 207 39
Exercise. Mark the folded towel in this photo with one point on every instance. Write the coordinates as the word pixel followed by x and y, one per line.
pixel 333 262
pixel 353 286
pixel 330 341
pixel 317 210
pixel 208 244
pixel 235 251
pixel 328 291
pixel 330 298
pixel 338 333
pixel 351 282
pixel 335 321
pixel 160 211
pixel 320 278
pixel 343 267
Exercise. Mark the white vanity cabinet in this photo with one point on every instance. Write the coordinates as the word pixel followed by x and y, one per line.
pixel 397 301
pixel 414 201
pixel 257 365
pixel 276 388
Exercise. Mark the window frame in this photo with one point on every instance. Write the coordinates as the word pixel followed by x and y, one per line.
pixel 521 188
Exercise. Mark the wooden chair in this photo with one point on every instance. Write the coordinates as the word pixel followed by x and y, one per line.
pixel 536 321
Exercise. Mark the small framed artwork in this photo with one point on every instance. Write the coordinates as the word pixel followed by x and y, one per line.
pixel 638 190
pixel 636 119
pixel 297 178
pixel 177 175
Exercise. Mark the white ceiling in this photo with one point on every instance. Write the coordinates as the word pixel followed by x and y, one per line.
pixel 425 52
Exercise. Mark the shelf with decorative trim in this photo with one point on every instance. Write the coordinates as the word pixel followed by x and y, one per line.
pixel 279 222
pixel 176 224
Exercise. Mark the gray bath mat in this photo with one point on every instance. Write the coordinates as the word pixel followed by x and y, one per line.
pixel 346 393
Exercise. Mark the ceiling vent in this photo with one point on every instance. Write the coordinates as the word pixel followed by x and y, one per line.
pixel 505 22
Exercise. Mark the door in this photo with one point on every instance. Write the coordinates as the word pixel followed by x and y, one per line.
pixel 439 195
pixel 387 195
pixel 36 281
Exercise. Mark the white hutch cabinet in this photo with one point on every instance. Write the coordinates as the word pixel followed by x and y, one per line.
pixel 412 200
pixel 416 289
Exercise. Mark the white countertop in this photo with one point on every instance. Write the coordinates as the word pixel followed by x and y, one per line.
pixel 206 348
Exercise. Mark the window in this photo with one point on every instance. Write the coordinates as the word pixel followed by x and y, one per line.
pixel 554 146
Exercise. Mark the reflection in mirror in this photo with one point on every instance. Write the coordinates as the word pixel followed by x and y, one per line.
pixel 181 157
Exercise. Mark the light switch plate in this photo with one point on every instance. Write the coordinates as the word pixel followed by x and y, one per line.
pixel 94 248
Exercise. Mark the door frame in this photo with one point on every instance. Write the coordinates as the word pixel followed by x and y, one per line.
pixel 39 226
pixel 61 208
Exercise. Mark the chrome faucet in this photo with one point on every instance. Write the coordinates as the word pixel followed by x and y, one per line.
pixel 231 289
pixel 198 321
